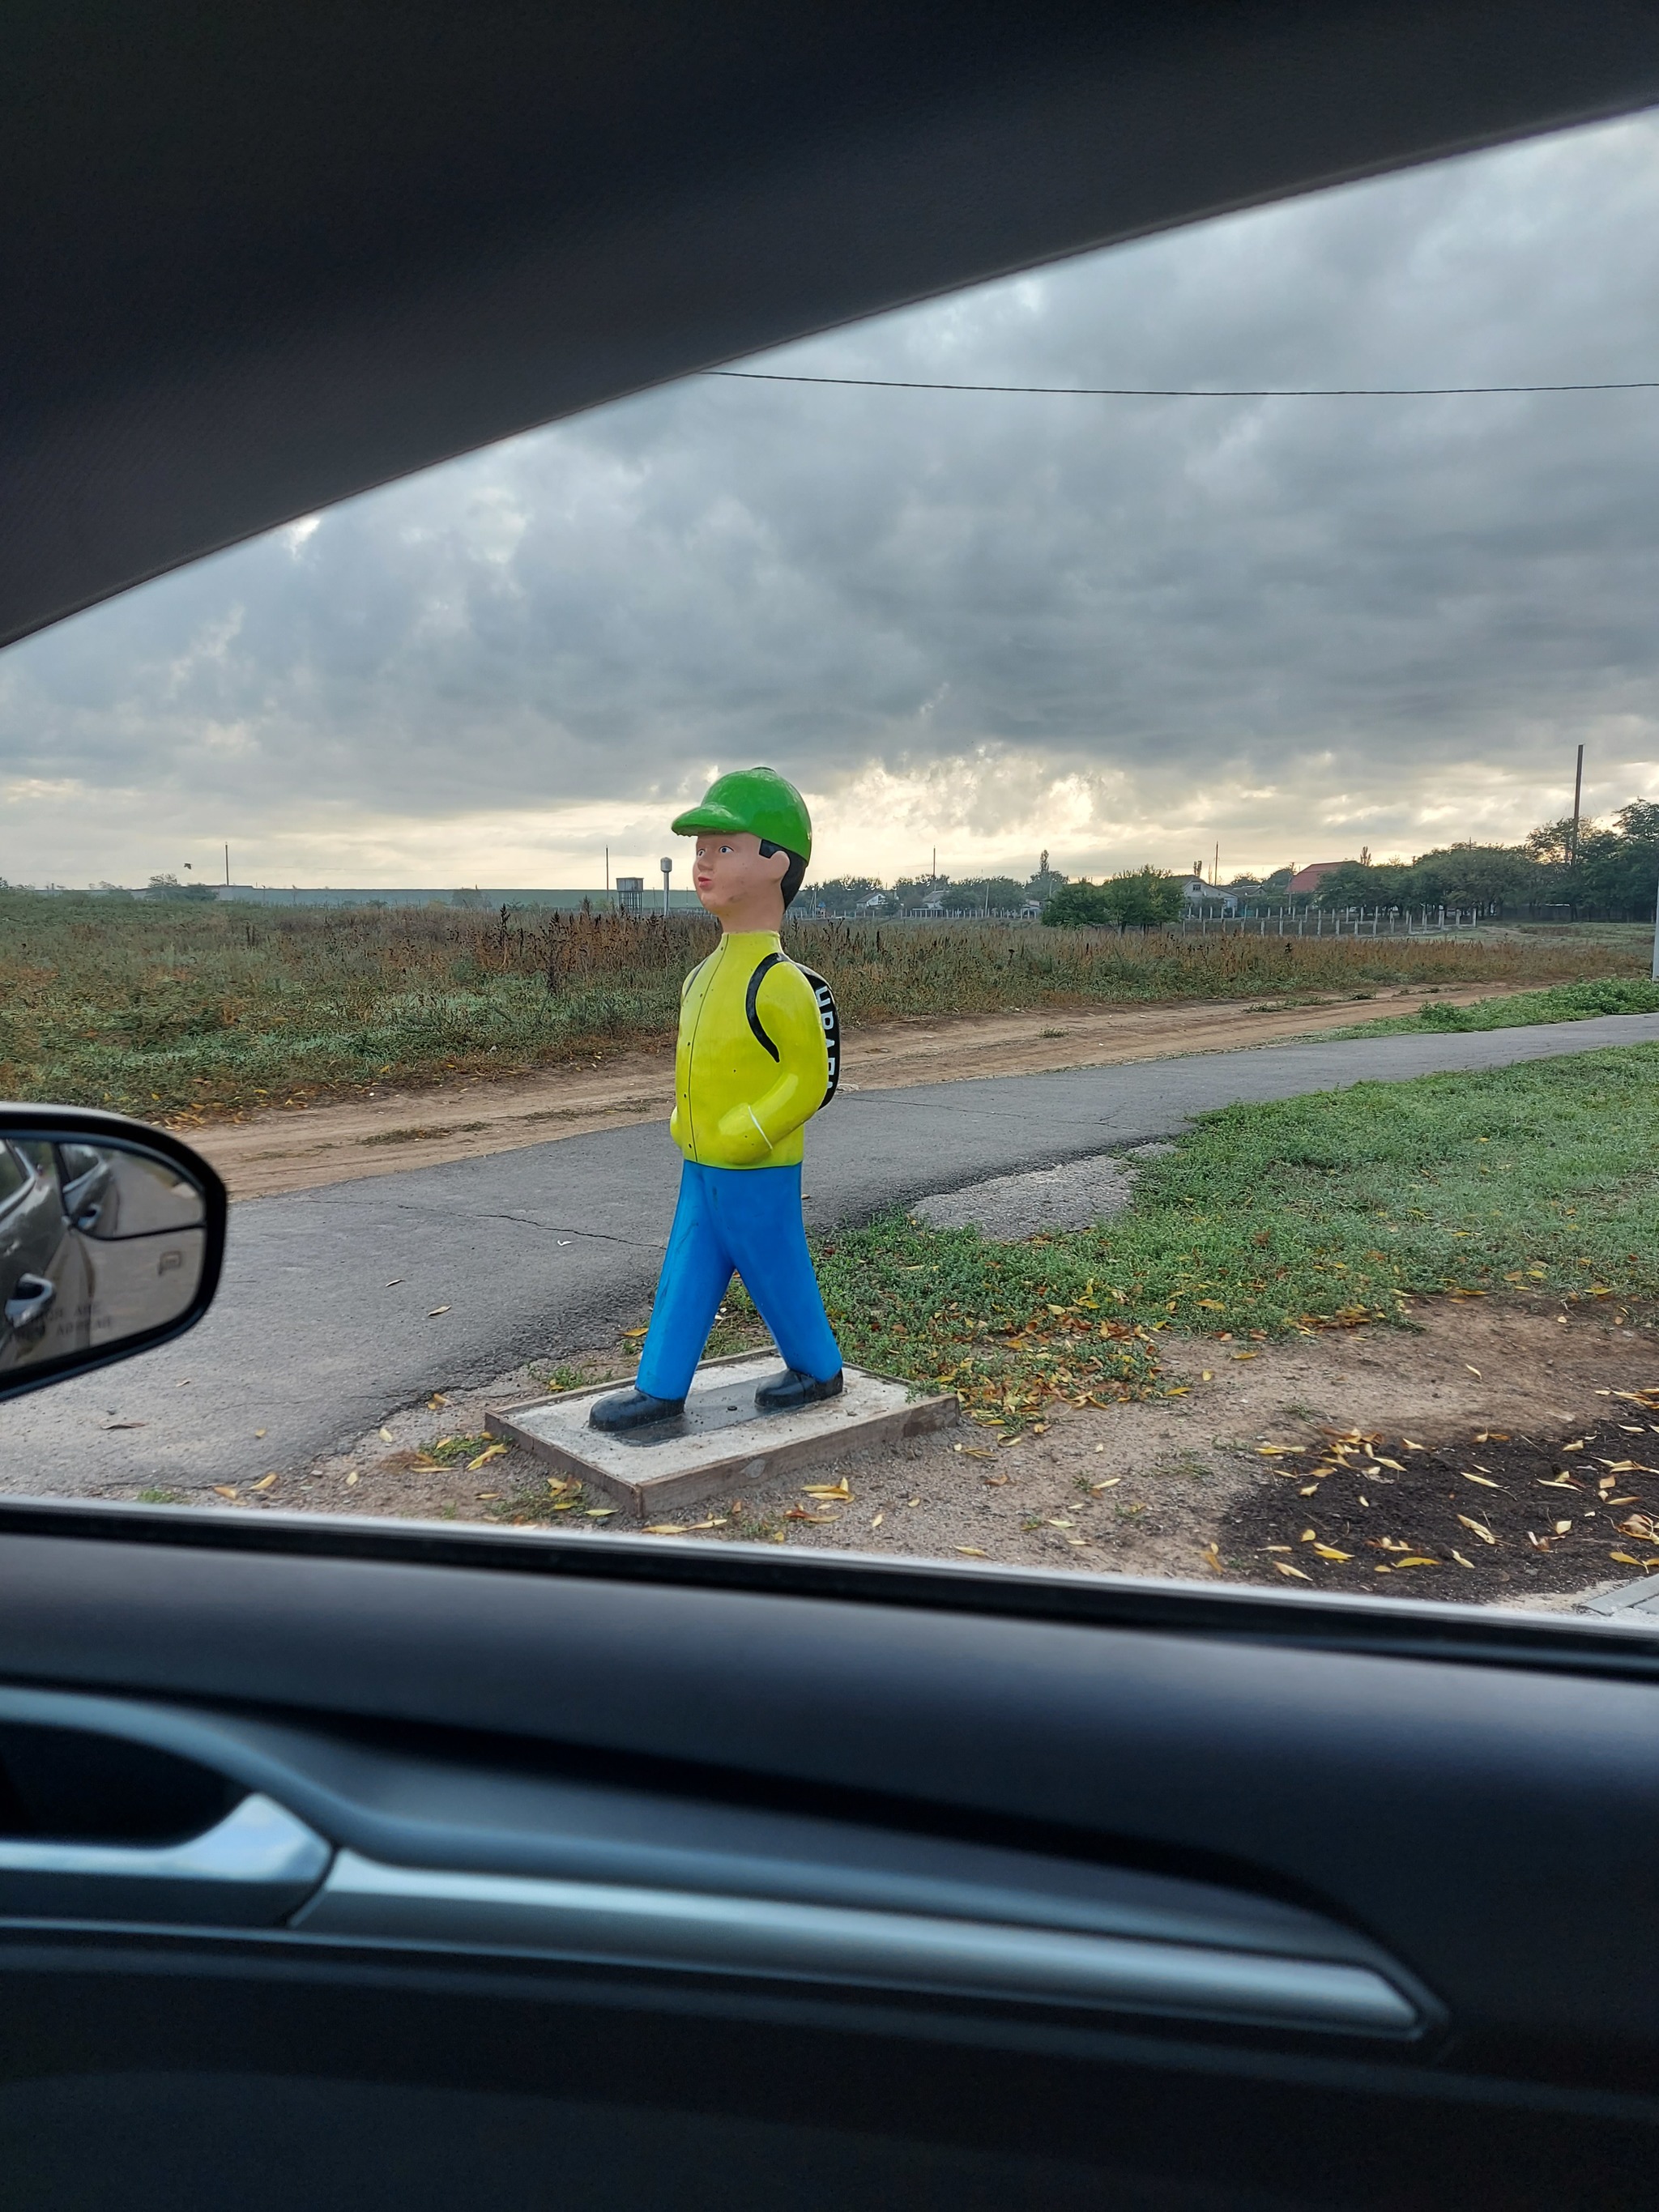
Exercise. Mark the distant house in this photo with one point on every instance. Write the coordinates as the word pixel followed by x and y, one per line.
pixel 1306 881
pixel 1196 892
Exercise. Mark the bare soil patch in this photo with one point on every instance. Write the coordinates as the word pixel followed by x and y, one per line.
pixel 1184 1485
pixel 300 1147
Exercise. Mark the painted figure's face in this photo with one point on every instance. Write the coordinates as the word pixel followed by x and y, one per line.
pixel 733 880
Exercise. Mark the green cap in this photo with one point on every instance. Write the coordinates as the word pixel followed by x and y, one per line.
pixel 756 799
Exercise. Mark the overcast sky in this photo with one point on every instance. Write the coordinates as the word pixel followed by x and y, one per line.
pixel 1125 630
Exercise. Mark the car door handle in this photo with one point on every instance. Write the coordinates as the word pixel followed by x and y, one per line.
pixel 29 1301
pixel 367 1900
pixel 252 1868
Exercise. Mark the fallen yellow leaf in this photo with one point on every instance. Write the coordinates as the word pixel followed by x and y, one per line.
pixel 972 1552
pixel 1286 1568
pixel 826 1489
pixel 351 1478
pixel 879 1518
pixel 1329 1551
pixel 489 1452
pixel 224 1489
pixel 1417 1560
pixel 1485 1480
pixel 1485 1534
pixel 265 1482
pixel 600 1512
pixel 1461 1561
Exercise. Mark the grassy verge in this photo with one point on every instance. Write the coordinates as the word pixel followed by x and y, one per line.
pixel 192 1011
pixel 1316 1213
pixel 1564 1002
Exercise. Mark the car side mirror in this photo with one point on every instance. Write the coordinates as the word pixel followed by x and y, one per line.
pixel 112 1238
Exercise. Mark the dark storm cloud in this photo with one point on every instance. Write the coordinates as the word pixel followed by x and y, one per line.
pixel 1283 610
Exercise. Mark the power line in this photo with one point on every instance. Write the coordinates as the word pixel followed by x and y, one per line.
pixel 1155 392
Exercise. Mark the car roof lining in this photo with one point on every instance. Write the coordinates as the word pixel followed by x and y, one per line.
pixel 259 260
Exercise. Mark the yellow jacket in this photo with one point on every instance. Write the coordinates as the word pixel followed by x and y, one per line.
pixel 752 1064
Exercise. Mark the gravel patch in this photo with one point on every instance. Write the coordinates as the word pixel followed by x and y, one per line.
pixel 1014 1206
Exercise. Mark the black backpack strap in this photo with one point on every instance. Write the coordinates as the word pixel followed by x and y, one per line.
pixel 828 1016
pixel 750 1007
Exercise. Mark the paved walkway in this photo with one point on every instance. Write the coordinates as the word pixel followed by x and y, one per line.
pixel 326 1323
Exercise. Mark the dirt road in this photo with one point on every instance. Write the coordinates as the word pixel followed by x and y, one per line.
pixel 303 1148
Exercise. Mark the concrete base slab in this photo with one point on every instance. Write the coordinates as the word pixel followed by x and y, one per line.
pixel 1635 1603
pixel 719 1443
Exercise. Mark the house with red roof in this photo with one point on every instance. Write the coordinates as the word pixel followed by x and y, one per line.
pixel 1307 880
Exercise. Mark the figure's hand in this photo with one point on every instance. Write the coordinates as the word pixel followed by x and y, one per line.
pixel 674 1125
pixel 743 1136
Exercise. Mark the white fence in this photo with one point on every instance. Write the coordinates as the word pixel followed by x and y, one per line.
pixel 1348 921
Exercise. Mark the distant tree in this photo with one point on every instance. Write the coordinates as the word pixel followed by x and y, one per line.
pixel 1356 883
pixel 1081 905
pixel 1140 898
pixel 1618 868
pixel 988 894
pixel 1470 875
pixel 842 894
pixel 1551 842
pixel 1046 882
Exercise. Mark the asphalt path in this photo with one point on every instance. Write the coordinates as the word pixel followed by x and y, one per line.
pixel 342 1305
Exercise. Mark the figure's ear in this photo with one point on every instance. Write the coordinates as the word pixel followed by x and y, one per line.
pixel 769 852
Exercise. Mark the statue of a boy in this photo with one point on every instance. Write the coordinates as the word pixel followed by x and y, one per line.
pixel 758 1054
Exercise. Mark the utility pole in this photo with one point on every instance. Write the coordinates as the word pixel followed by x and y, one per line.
pixel 1577 794
pixel 1215 873
pixel 607 872
pixel 227 867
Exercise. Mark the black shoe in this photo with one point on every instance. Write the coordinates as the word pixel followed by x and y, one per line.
pixel 632 1409
pixel 787 1392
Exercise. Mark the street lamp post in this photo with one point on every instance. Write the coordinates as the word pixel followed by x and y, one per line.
pixel 667 867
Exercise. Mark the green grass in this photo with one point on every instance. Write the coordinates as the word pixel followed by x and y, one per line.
pixel 1316 1212
pixel 191 1011
pixel 1565 1002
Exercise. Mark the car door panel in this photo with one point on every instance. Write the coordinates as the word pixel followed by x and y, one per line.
pixel 923 1846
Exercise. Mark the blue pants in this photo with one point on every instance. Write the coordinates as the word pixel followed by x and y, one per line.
pixel 747 1220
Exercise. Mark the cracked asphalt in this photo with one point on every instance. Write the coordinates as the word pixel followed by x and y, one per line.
pixel 341 1305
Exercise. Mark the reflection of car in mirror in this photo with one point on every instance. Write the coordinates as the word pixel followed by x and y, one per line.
pixel 104 1245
